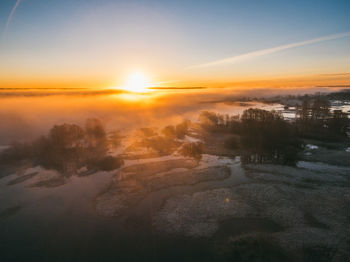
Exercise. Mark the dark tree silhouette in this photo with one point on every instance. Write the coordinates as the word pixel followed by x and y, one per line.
pixel 267 137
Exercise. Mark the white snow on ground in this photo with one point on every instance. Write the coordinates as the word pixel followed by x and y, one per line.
pixel 33 169
pixel 289 115
pixel 311 147
pixel 322 167
pixel 148 160
pixel 3 147
pixel 340 105
pixel 192 139
pixel 213 160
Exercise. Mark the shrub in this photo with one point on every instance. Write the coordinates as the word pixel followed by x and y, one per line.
pixel 107 163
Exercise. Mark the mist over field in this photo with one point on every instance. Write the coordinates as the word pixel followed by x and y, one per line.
pixel 26 114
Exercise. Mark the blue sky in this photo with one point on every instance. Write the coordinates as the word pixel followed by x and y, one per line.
pixel 107 38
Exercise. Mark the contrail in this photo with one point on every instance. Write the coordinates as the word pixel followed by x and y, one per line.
pixel 11 15
pixel 239 58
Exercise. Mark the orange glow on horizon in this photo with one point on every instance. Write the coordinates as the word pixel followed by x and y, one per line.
pixel 141 83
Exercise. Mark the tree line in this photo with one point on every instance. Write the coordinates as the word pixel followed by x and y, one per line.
pixel 67 148
pixel 264 136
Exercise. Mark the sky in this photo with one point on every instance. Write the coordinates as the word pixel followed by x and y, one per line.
pixel 98 43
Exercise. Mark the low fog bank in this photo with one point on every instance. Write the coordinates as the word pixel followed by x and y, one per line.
pixel 256 134
pixel 25 115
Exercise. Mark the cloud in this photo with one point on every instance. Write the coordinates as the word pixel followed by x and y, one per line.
pixel 335 86
pixel 177 88
pixel 42 92
pixel 11 15
pixel 263 52
pixel 336 74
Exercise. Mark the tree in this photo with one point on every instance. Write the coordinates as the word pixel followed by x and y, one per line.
pixel 339 122
pixel 320 108
pixel 182 129
pixel 268 137
pixel 208 119
pixel 303 112
pixel 169 131
pixel 147 132
pixel 62 149
pixel 193 150
pixel 95 138
pixel 67 148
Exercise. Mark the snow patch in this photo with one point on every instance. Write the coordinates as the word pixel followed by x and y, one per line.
pixel 311 147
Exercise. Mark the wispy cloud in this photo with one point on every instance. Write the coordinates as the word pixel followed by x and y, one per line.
pixel 336 74
pixel 44 92
pixel 10 16
pixel 263 52
pixel 335 86
pixel 177 88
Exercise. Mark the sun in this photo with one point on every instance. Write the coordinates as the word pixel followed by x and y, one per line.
pixel 137 82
